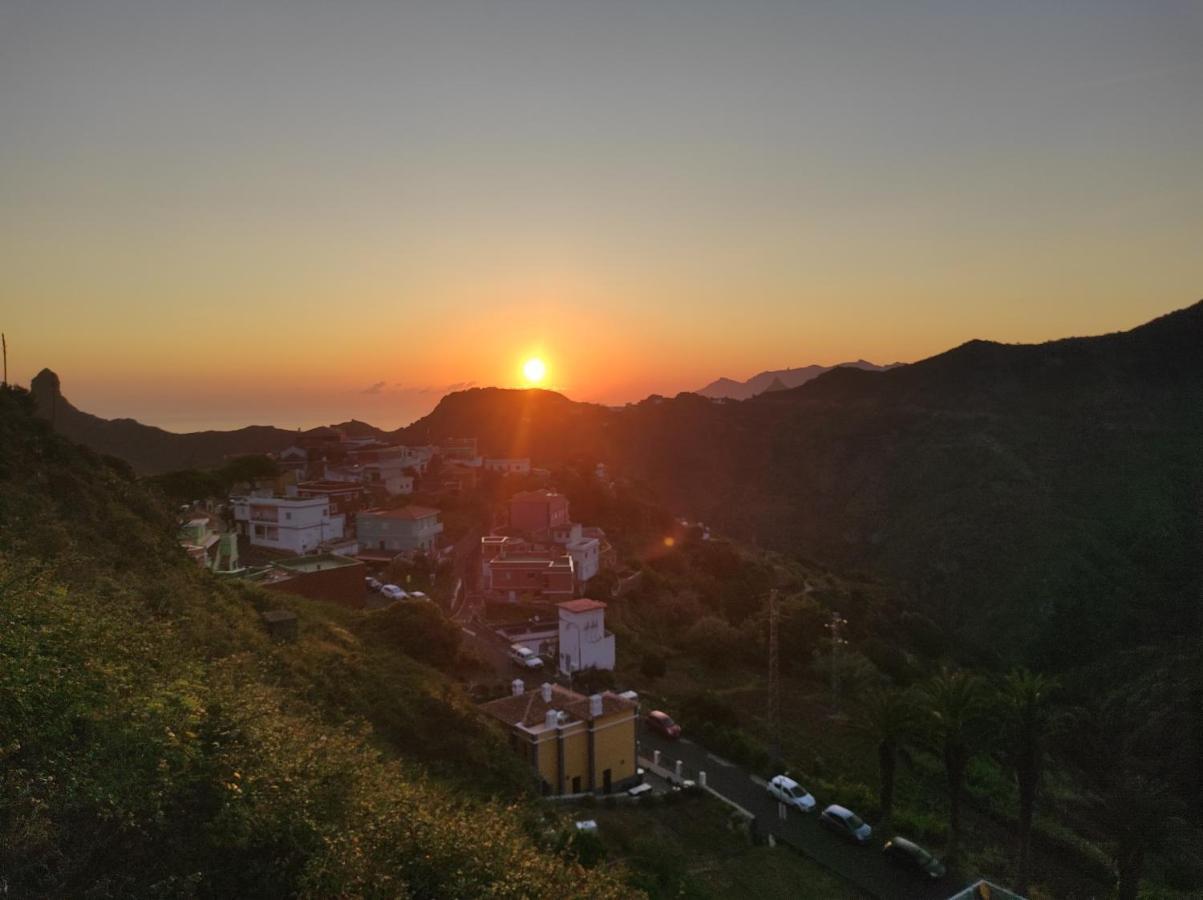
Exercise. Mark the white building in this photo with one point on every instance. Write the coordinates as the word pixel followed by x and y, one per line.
pixel 388 475
pixel 585 551
pixel 584 641
pixel 297 524
pixel 511 466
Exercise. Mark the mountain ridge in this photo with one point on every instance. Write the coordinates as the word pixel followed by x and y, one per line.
pixel 729 388
pixel 150 449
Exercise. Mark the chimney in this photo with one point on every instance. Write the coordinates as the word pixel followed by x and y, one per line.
pixel 595 705
pixel 546 692
pixel 552 719
pixel 517 687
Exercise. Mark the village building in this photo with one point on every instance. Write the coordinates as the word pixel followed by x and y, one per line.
pixel 458 477
pixel 584 641
pixel 296 524
pixel 585 550
pixel 459 448
pixel 573 743
pixel 397 456
pixel 508 466
pixel 207 545
pixel 382 479
pixel 293 459
pixel 411 529
pixel 326 576
pixel 345 499
pixel 516 570
pixel 537 513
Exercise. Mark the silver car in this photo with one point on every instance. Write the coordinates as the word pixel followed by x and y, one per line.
pixel 846 824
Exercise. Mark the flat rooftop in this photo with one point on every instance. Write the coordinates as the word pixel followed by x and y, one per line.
pixel 406 512
pixel 317 563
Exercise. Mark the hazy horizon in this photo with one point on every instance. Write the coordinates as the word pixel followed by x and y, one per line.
pixel 385 406
pixel 209 212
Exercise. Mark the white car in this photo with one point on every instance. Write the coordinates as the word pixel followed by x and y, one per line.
pixel 524 657
pixel 393 592
pixel 785 790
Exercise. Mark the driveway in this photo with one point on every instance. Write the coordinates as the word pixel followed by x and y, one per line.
pixel 863 866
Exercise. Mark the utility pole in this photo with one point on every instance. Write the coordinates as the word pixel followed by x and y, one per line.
pixel 4 344
pixel 774 678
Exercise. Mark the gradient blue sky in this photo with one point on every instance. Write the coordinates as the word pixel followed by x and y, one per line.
pixel 213 213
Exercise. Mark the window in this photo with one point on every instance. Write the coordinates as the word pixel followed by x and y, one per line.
pixel 288 515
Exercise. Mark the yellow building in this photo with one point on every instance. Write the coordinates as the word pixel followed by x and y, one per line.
pixel 575 743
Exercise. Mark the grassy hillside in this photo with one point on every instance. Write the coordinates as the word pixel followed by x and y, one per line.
pixel 155 743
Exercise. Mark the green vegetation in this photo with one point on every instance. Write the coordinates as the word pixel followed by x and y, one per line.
pixel 188 485
pixel 156 743
pixel 988 766
pixel 691 847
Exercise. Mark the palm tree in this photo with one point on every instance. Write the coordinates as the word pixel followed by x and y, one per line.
pixel 1138 813
pixel 889 717
pixel 955 703
pixel 1028 719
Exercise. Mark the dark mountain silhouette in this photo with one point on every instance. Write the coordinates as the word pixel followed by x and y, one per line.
pixel 775 385
pixel 149 449
pixel 789 378
pixel 1037 499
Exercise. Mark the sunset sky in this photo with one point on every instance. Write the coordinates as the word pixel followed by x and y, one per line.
pixel 219 213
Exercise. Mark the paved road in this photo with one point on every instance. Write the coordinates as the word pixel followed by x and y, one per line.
pixel 863 866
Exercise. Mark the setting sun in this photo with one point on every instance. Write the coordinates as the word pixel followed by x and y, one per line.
pixel 534 370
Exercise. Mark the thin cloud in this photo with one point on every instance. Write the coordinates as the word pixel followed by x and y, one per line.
pixel 399 387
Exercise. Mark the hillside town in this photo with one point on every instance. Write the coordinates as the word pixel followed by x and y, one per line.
pixel 337 516
pixel 492 544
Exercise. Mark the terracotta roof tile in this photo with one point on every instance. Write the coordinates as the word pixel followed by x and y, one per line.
pixel 530 710
pixel 583 604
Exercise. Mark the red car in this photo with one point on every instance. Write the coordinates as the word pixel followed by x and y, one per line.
pixel 661 722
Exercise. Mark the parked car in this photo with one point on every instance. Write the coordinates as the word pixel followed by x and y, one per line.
pixel 392 592
pixel 524 657
pixel 846 824
pixel 662 723
pixel 373 584
pixel 909 855
pixel 789 792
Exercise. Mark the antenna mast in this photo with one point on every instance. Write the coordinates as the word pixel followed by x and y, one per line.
pixel 774 678
pixel 4 344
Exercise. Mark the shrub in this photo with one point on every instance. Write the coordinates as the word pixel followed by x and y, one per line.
pixel 593 681
pixel 851 794
pixel 713 641
pixel 653 666
pixel 588 848
pixel 707 709
pixel 920 826
pixel 417 629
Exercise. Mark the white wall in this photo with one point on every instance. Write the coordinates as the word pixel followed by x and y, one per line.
pixel 584 642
